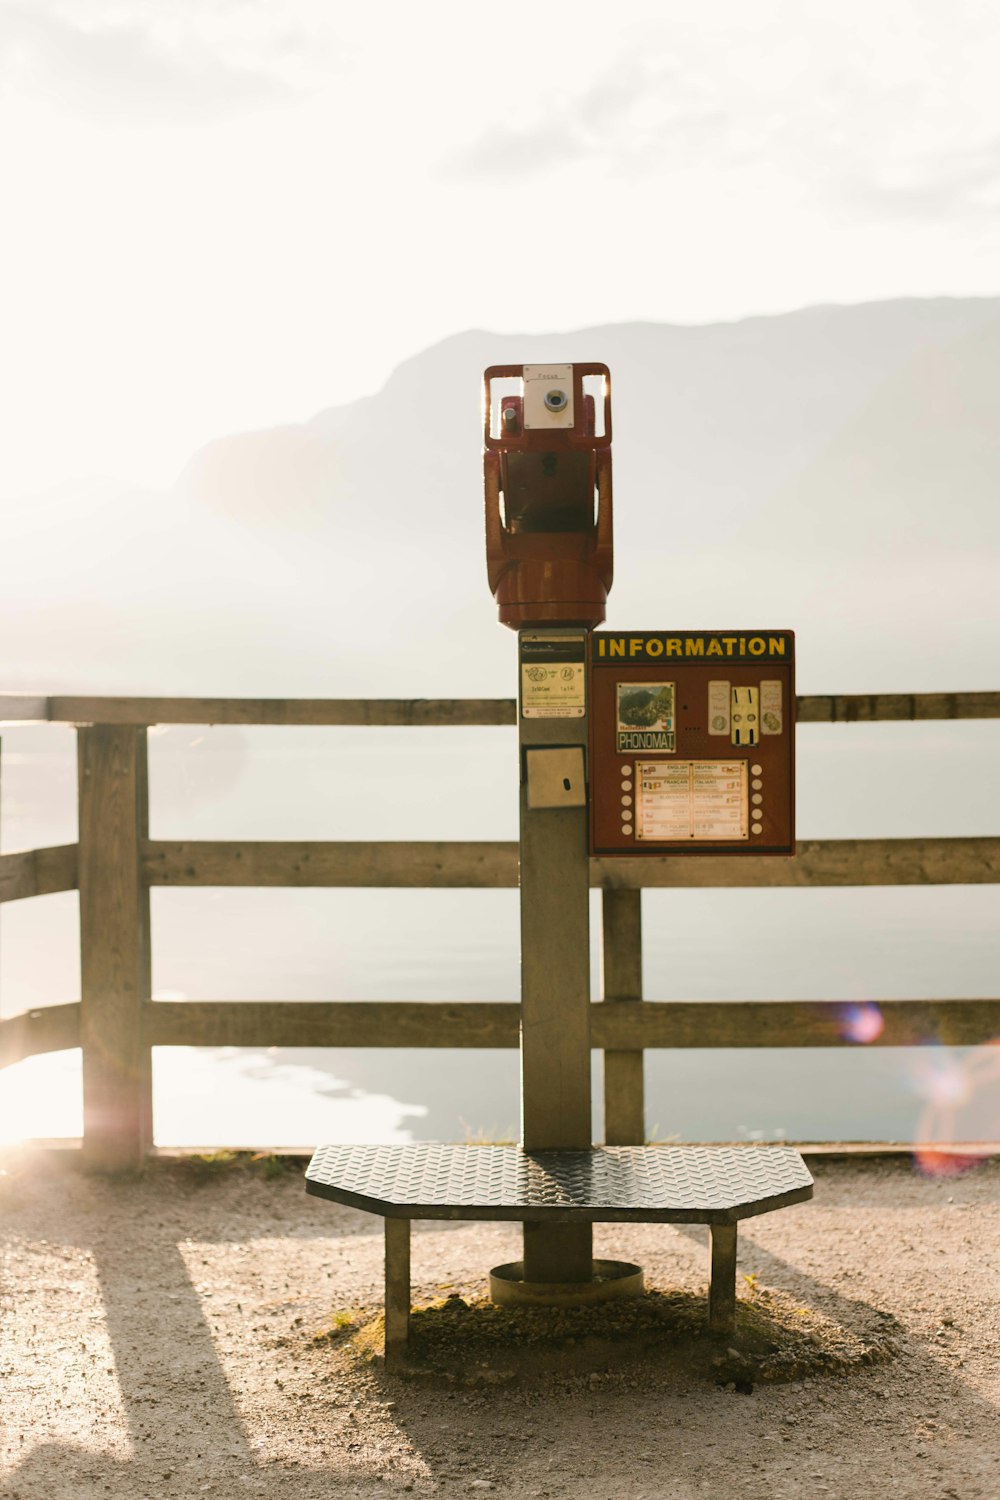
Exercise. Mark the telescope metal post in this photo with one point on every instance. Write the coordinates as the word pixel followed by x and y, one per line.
pixel 555 947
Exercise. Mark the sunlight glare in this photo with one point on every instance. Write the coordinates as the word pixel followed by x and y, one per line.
pixel 41 1098
pixel 962 1104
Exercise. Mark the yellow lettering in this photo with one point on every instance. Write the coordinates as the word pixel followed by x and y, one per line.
pixel 776 645
pixel 654 647
pixel 635 646
pixel 714 649
pixel 600 645
pixel 757 645
pixel 694 646
pixel 616 648
pixel 673 645
pixel 729 641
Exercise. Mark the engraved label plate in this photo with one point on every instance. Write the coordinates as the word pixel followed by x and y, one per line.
pixel 718 708
pixel 772 719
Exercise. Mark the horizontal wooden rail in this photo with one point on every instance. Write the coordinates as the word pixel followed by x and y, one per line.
pixel 277 863
pixel 819 862
pixel 863 708
pixel 614 1025
pixel 304 712
pixel 837 708
pixel 341 1023
pixel 471 865
pixel 51 1028
pixel 795 1023
pixel 39 872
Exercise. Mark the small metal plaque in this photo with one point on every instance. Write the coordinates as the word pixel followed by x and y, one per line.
pixel 556 777
pixel 553 674
pixel 548 396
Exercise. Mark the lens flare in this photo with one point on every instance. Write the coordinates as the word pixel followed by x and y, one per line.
pixel 863 1022
pixel 933 1161
pixel 962 1100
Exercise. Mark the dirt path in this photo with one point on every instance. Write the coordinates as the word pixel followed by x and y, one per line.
pixel 157 1340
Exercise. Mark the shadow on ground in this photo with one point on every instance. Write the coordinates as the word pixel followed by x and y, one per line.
pixel 229 1397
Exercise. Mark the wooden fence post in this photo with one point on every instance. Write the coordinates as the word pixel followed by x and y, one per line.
pixel 624 1101
pixel 115 974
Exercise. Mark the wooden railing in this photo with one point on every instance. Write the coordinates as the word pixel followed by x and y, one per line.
pixel 115 863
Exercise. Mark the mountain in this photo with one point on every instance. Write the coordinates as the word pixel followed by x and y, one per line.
pixel 832 470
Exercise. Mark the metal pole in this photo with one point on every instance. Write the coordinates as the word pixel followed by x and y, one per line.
pixel 555 928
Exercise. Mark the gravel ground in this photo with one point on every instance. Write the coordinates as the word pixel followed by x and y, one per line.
pixel 158 1339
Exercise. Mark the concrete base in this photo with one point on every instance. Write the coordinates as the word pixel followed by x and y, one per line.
pixel 611 1279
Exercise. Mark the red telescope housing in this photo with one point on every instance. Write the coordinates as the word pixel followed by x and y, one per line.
pixel 547 473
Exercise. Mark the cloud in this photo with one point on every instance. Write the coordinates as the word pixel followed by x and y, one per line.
pixel 180 61
pixel 638 112
pixel 900 121
pixel 511 151
pixel 963 182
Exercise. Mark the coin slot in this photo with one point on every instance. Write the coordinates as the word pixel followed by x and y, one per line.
pixel 745 716
pixel 555 777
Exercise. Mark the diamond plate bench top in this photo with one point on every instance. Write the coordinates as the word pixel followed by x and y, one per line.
pixel 608 1184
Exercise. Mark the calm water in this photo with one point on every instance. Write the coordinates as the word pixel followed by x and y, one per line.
pixel 853 945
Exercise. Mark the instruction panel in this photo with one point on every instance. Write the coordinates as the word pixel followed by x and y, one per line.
pixel 691 742
pixel 691 799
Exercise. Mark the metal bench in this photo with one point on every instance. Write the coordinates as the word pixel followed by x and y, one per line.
pixel 713 1185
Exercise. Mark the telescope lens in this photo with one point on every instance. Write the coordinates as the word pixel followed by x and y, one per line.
pixel 556 400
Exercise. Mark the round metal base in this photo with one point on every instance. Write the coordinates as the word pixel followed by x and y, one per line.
pixel 611 1279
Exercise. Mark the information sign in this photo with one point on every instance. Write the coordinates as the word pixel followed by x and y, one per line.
pixel 692 742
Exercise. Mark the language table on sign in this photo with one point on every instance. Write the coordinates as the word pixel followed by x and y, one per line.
pixel 693 799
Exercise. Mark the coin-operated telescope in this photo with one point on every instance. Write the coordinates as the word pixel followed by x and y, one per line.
pixel 547 470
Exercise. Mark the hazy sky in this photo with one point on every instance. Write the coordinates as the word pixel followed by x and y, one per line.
pixel 219 214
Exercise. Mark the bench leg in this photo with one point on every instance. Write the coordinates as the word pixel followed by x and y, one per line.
pixel 722 1287
pixel 397 1289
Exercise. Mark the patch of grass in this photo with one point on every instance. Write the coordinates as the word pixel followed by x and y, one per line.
pixel 480 1136
pixel 205 1167
pixel 201 1168
pixel 269 1164
pixel 344 1322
